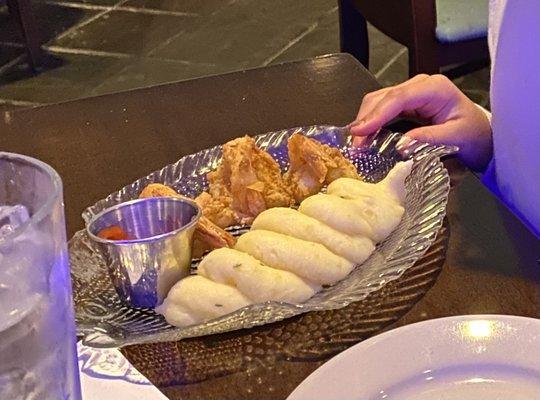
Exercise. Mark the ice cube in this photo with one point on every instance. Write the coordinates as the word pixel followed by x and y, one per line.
pixel 16 383
pixel 25 263
pixel 11 217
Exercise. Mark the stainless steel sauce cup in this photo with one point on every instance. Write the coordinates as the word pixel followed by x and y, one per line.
pixel 157 253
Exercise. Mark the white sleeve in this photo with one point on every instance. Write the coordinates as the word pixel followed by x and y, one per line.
pixel 486 112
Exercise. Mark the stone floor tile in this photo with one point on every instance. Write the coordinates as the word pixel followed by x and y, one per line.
pixel 245 34
pixel 199 7
pixel 125 32
pixel 323 39
pixel 51 20
pixel 8 54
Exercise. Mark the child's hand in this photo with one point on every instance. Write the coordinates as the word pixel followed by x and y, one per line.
pixel 451 118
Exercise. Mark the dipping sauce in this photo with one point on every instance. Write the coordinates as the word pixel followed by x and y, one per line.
pixel 113 233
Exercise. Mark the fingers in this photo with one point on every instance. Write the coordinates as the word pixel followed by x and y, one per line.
pixel 446 133
pixel 424 97
pixel 451 118
pixel 416 78
pixel 370 100
pixel 386 108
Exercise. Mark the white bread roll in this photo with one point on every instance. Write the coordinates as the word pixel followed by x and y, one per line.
pixel 293 223
pixel 255 280
pixel 311 261
pixel 340 214
pixel 373 217
pixel 348 189
pixel 394 182
pixel 382 214
pixel 392 186
pixel 196 299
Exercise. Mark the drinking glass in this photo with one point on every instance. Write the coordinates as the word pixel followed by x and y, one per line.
pixel 38 358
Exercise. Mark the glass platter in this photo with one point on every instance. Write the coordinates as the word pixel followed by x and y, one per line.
pixel 105 321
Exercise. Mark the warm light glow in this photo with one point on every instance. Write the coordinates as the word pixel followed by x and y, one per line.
pixel 479 329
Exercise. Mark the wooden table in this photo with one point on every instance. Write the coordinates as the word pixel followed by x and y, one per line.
pixel 100 144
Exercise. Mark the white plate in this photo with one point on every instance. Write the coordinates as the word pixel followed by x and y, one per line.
pixel 476 357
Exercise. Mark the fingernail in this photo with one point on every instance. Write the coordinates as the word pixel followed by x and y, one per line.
pixel 357 122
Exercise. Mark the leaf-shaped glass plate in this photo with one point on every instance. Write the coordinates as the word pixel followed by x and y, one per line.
pixel 105 321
